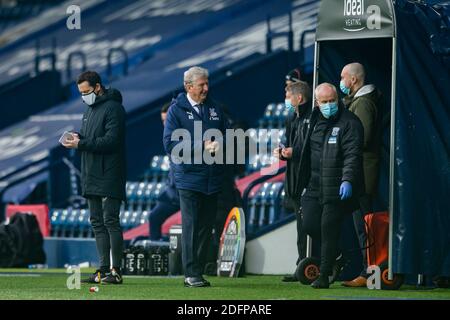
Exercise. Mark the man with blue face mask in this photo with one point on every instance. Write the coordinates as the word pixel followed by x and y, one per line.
pixel 364 100
pixel 298 97
pixel 330 174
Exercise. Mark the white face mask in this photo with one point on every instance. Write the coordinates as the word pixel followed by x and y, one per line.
pixel 89 98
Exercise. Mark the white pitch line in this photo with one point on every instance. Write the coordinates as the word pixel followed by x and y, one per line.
pixel 19 275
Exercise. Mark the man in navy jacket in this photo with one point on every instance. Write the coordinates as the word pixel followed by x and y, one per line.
pixel 193 138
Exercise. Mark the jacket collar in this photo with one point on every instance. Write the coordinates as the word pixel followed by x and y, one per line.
pixel 183 102
pixel 347 100
pixel 191 101
pixel 302 109
pixel 364 90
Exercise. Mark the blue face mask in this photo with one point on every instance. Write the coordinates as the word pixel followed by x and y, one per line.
pixel 329 109
pixel 289 105
pixel 344 89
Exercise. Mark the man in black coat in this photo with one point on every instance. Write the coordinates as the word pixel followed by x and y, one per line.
pixel 101 142
pixel 298 99
pixel 331 174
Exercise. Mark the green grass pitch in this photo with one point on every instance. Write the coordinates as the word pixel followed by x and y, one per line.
pixel 51 284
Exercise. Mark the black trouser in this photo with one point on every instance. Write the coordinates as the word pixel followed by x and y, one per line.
pixel 366 206
pixel 360 228
pixel 227 199
pixel 301 236
pixel 323 223
pixel 198 214
pixel 105 222
pixel 158 215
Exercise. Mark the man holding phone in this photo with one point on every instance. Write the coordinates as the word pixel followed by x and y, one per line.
pixel 101 142
pixel 298 96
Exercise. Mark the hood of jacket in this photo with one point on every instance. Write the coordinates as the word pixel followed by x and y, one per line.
pixel 367 90
pixel 108 94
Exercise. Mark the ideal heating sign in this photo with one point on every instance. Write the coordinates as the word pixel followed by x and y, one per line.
pixel 357 17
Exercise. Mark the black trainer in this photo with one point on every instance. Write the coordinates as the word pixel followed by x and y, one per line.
pixel 290 278
pixel 114 277
pixel 321 283
pixel 96 277
pixel 337 269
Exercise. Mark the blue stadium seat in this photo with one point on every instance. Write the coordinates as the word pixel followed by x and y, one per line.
pixel 144 216
pixel 148 196
pixel 257 208
pixel 85 229
pixel 267 120
pixel 72 223
pixel 125 218
pixel 275 201
pixel 264 204
pixel 279 116
pixel 265 207
pixel 140 196
pixel 132 194
pixel 135 219
pixel 252 215
pixel 260 137
pixel 264 140
pixel 157 191
pixel 55 222
pixel 64 223
pixel 159 168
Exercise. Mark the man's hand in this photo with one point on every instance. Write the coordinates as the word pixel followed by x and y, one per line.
pixel 277 152
pixel 72 143
pixel 286 153
pixel 211 146
pixel 345 191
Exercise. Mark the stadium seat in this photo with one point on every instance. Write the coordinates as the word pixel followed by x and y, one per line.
pixel 85 230
pixel 125 218
pixel 267 120
pixel 72 223
pixel 159 168
pixel 131 194
pixel 148 194
pixel 140 196
pixel 275 201
pixel 144 216
pixel 135 219
pixel 55 221
pixel 257 208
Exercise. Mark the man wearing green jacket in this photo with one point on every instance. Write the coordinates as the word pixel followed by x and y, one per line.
pixel 363 100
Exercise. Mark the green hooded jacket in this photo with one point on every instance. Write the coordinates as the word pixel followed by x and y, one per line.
pixel 365 104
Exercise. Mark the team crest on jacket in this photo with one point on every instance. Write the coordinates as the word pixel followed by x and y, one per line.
pixel 335 131
pixel 190 115
pixel 213 114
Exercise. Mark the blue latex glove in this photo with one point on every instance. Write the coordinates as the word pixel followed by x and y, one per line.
pixel 345 191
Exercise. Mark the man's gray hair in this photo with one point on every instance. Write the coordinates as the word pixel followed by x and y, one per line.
pixel 325 84
pixel 195 73
pixel 357 69
pixel 300 88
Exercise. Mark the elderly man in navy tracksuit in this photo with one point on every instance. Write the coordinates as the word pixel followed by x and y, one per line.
pixel 197 178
